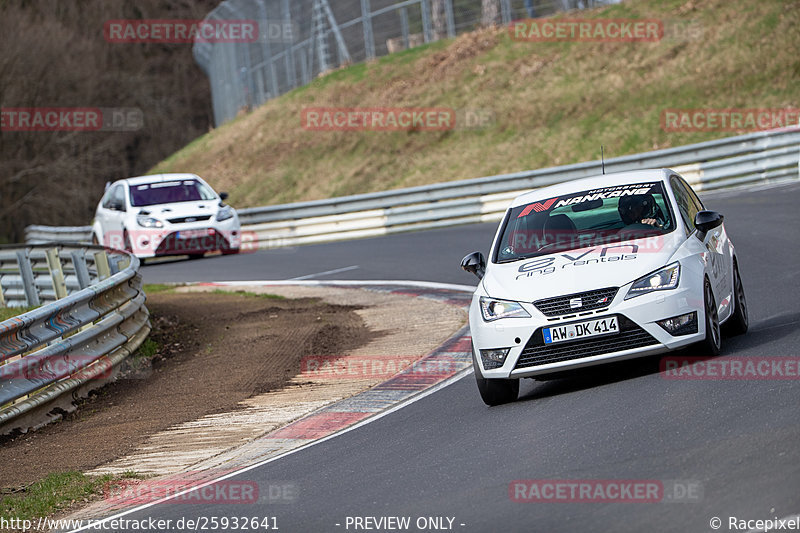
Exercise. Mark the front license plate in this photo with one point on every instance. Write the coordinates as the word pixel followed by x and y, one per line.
pixel 193 233
pixel 581 330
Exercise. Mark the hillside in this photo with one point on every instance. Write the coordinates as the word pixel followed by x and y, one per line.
pixel 550 103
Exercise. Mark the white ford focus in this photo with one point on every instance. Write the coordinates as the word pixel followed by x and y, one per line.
pixel 166 214
pixel 597 270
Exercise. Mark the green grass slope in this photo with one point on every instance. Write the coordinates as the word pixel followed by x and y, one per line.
pixel 551 103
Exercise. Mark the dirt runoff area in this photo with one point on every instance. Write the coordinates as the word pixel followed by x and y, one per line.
pixel 228 369
pixel 214 350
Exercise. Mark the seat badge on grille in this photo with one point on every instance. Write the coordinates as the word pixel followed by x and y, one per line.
pixel 575 303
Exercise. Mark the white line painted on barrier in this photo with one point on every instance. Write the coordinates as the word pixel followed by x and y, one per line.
pixel 326 273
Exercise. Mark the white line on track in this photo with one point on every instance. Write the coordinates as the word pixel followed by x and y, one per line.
pixel 345 283
pixel 327 272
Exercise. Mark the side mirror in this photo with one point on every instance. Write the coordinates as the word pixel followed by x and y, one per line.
pixel 705 221
pixel 475 263
pixel 223 196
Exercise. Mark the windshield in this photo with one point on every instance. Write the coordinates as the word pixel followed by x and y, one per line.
pixel 584 219
pixel 168 192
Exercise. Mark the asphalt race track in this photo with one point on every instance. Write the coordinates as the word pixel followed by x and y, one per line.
pixel 735 443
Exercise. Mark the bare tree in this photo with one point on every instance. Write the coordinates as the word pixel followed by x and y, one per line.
pixel 55 55
pixel 490 12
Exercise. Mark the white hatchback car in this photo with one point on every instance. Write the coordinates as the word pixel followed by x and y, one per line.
pixel 166 214
pixel 597 270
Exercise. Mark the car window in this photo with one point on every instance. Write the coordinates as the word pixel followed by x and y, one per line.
pixel 582 219
pixel 168 192
pixel 688 203
pixel 114 196
pixel 107 198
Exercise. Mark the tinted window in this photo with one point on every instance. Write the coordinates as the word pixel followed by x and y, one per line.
pixel 688 203
pixel 583 219
pixel 168 192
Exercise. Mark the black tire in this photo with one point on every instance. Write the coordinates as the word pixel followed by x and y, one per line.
pixel 495 391
pixel 713 341
pixel 739 321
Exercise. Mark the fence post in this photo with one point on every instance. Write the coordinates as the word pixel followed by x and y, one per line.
pixel 81 270
pixel 404 28
pixel 28 283
pixel 366 22
pixel 451 21
pixel 101 264
pixel 426 20
pixel 56 273
pixel 505 11
pixel 289 55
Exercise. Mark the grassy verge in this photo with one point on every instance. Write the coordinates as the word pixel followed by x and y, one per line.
pixel 57 493
pixel 551 103
pixel 11 312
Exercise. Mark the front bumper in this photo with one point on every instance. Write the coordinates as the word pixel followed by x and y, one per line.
pixel 182 239
pixel 640 334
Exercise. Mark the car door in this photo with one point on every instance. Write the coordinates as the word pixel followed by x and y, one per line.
pixel 715 244
pixel 113 217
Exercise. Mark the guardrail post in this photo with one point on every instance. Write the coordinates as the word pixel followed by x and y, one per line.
pixel 28 283
pixel 101 264
pixel 81 270
pixel 2 299
pixel 56 273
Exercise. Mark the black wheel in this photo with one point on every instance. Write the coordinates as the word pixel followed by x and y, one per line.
pixel 495 391
pixel 739 321
pixel 713 341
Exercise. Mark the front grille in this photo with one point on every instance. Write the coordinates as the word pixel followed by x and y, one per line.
pixel 183 220
pixel 589 301
pixel 536 352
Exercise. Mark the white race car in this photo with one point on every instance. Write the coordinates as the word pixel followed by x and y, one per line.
pixel 166 214
pixel 597 270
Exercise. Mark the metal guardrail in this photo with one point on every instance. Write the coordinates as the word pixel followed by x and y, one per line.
pixel 98 319
pixel 755 157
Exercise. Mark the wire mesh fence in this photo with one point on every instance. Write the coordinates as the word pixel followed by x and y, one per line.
pixel 298 40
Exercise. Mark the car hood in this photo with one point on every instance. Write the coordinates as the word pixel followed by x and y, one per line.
pixel 182 209
pixel 580 270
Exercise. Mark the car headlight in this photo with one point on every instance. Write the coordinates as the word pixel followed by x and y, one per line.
pixel 492 309
pixel 662 280
pixel 148 222
pixel 224 213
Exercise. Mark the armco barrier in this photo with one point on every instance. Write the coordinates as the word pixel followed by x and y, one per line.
pixel 755 157
pixel 71 342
